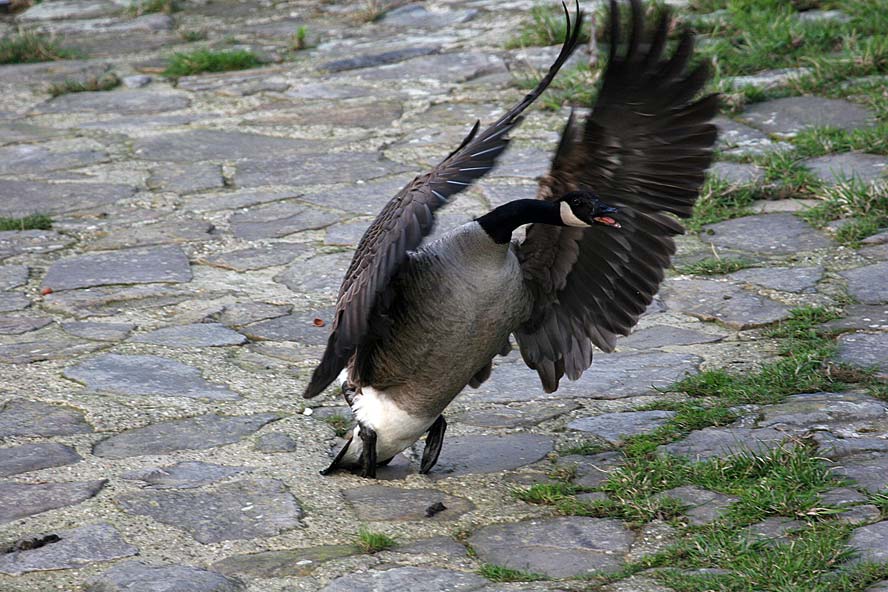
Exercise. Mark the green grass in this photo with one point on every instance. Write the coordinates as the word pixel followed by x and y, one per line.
pixel 26 47
pixel 204 60
pixel 193 35
pixel 863 205
pixel 299 40
pixel 545 27
pixel 32 222
pixel 339 423
pixel 719 200
pixel 105 82
pixel 819 141
pixel 715 266
pixel 582 449
pixel 496 573
pixel 373 542
pixel 140 7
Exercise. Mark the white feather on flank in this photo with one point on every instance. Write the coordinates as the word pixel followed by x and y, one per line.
pixel 395 429
pixel 569 218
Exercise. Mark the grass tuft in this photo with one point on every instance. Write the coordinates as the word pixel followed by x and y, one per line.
pixel 140 7
pixel 26 47
pixel 496 573
pixel 582 449
pixel 32 222
pixel 373 542
pixel 720 200
pixel 339 423
pixel 204 60
pixel 715 266
pixel 95 83
pixel 299 40
pixel 546 27
pixel 193 35
pixel 863 204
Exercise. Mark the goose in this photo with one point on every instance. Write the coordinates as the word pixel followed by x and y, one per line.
pixel 415 324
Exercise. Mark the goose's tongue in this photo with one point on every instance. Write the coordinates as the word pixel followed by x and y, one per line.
pixel 607 221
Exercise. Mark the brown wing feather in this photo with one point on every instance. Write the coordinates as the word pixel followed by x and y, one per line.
pixel 644 148
pixel 408 218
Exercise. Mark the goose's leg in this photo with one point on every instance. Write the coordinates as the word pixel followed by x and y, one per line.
pixel 335 464
pixel 432 449
pixel 368 453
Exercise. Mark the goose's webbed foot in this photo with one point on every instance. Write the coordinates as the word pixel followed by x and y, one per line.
pixel 368 451
pixel 434 440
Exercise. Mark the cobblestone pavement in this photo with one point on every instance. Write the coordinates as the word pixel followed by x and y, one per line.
pixel 155 342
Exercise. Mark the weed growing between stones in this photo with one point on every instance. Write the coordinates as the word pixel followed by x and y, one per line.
pixel 720 200
pixel 373 542
pixel 204 60
pixel 713 266
pixel 820 141
pixel 339 423
pixel 582 449
pixel 32 222
pixel 140 7
pixel 96 83
pixel 495 573
pixel 193 35
pixel 299 40
pixel 25 47
pixel 545 27
pixel 865 205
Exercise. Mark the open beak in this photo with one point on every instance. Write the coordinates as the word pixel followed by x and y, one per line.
pixel 607 221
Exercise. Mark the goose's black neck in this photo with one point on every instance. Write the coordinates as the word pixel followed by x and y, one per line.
pixel 500 222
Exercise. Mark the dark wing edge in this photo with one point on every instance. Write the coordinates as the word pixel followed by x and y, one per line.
pixel 644 148
pixel 409 217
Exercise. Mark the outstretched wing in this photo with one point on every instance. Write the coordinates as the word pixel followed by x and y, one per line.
pixel 408 218
pixel 644 149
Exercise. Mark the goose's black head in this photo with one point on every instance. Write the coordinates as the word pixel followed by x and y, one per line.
pixel 584 209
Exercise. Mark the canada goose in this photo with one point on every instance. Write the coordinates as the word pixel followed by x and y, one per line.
pixel 414 325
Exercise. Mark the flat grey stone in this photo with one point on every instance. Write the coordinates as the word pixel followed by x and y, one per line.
pixel 237 199
pixel 13 276
pixel 738 139
pixel 186 178
pixel 302 327
pixel 867 471
pixel 722 442
pixel 415 579
pixel 12 301
pixel 194 433
pixel 183 475
pixel 136 81
pixel 711 300
pixel 377 114
pixel 331 90
pixel 285 563
pixel 20 417
pixel 820 410
pixel 879 238
pixel 146 375
pixel 70 9
pixel 841 496
pixel 863 514
pixel 611 376
pixel 22 198
pixel 467 455
pixel 416 15
pixel 193 335
pixel 778 234
pixel 788 116
pixel 259 257
pixel 786 279
pixel 592 470
pixel 527 163
pixel 38 350
pixel 658 336
pixel 164 232
pixel 366 61
pixel 614 428
pixel 737 173
pixel 244 313
pixel 321 273
pixel 132 266
pixel 636 584
pixel 135 576
pixel 851 441
pixel 865 350
pixel 868 284
pixel 20 325
pixel 793 205
pixel 839 168
pixel 275 442
pixel 360 198
pixel 33 457
pixel 315 169
pixel 67 549
pixel 870 542
pixel 767 79
pixel 126 101
pixel 107 301
pixel 442 68
pixel 18 500
pixel 240 510
pixel 31 159
pixel 865 317
pixel 218 145
pixel 878 587
pixel 98 331
pixel 563 547
pixel 346 234
pixel 17 242
pixel 703 506
pixel 773 529
pixel 374 503
pixel 511 417
pixel 279 219
pixel 437 545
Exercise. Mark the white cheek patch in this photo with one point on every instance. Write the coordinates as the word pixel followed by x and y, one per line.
pixel 568 217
